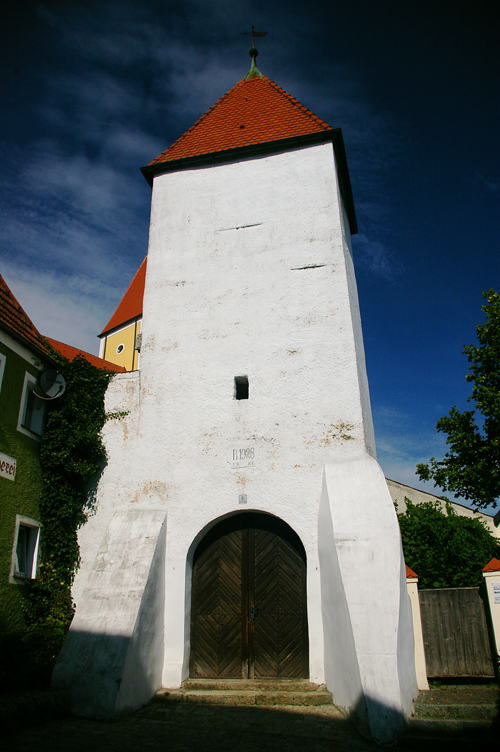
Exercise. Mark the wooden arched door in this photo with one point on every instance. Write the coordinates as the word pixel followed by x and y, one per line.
pixel 248 610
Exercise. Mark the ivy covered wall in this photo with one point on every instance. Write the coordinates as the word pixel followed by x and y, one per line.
pixel 55 484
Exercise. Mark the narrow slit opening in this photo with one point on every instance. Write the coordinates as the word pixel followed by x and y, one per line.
pixel 241 387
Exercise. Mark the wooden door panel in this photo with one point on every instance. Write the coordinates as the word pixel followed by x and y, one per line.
pixel 216 621
pixel 280 625
pixel 235 571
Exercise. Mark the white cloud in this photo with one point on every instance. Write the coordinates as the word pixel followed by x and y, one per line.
pixel 73 233
pixel 403 441
pixel 65 308
pixel 376 257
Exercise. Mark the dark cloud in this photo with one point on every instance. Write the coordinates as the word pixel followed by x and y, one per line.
pixel 93 90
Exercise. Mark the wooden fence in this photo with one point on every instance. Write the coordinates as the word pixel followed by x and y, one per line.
pixel 455 630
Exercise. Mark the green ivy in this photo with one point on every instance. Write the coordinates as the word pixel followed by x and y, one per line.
pixel 72 457
pixel 445 550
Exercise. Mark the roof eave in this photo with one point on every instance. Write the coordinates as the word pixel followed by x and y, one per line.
pixel 334 135
pixel 29 345
pixel 112 329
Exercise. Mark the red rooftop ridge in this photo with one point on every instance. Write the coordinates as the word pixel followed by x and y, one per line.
pixel 130 306
pixel 253 112
pixel 70 352
pixel 17 322
pixel 492 566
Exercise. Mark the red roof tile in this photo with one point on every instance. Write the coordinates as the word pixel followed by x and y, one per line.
pixel 410 574
pixel 492 566
pixel 17 321
pixel 256 111
pixel 130 306
pixel 70 352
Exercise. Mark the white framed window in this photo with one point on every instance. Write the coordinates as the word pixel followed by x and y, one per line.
pixel 3 358
pixel 31 411
pixel 24 549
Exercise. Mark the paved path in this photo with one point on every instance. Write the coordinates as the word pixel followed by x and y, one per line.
pixel 186 727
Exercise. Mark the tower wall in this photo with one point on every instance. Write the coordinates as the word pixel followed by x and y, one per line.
pixel 250 275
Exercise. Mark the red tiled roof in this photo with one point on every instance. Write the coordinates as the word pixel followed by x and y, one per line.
pixel 17 321
pixel 130 306
pixel 410 574
pixel 256 111
pixel 492 566
pixel 70 352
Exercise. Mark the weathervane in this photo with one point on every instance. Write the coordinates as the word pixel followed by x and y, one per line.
pixel 254 71
pixel 254 34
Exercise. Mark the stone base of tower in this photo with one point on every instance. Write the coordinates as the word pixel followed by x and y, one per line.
pixel 367 621
pixel 131 631
pixel 112 659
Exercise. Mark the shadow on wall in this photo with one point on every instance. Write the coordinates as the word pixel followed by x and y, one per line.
pixel 112 658
pixel 103 683
pixel 112 686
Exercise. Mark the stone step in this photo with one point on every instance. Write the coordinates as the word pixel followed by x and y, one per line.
pixel 431 730
pixel 455 702
pixel 455 711
pixel 262 685
pixel 240 692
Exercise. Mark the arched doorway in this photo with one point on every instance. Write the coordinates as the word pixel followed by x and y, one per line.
pixel 249 609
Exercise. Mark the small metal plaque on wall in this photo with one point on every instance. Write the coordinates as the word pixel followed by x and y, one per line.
pixel 496 591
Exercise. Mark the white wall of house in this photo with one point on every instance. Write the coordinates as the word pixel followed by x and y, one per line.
pixel 420 664
pixel 399 492
pixel 492 586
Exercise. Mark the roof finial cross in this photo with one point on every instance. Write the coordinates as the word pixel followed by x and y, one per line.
pixel 254 71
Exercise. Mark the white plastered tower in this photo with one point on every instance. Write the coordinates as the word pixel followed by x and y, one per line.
pixel 250 280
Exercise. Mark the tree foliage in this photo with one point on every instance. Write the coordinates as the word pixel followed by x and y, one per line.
pixel 445 550
pixel 472 466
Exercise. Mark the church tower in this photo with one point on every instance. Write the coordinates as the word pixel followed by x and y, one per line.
pixel 244 528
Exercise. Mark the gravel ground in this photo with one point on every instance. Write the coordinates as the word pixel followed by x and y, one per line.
pixel 184 727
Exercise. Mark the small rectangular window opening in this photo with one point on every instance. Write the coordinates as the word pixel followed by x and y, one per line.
pixel 34 413
pixel 241 387
pixel 22 551
pixel 32 410
pixel 26 551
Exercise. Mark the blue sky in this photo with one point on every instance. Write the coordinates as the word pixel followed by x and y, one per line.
pixel 91 91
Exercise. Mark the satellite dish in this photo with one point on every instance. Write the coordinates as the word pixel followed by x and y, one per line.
pixel 51 384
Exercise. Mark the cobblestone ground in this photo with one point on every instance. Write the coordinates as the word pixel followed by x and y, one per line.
pixel 186 727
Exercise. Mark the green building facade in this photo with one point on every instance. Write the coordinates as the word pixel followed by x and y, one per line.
pixel 23 354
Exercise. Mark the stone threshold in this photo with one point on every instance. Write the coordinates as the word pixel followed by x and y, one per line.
pixel 236 692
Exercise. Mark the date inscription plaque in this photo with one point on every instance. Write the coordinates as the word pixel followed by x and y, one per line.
pixel 242 454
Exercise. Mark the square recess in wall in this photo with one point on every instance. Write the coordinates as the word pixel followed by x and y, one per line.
pixel 241 387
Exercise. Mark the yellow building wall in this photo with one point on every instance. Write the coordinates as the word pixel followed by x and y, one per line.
pixel 123 341
pixel 136 352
